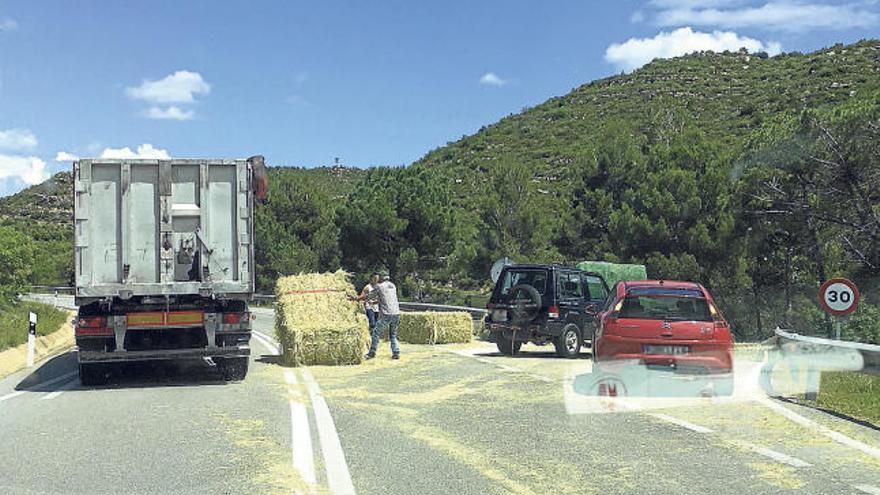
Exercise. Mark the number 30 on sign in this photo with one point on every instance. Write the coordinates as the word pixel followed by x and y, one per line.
pixel 839 296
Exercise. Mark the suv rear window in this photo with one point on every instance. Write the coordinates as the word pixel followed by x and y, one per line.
pixel 535 278
pixel 665 307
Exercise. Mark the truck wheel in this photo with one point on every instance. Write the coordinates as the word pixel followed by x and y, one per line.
pixel 91 374
pixel 232 369
pixel 508 348
pixel 568 344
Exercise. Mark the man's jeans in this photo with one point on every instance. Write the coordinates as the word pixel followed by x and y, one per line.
pixel 390 321
pixel 372 316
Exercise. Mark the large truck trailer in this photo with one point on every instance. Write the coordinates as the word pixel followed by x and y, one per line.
pixel 164 261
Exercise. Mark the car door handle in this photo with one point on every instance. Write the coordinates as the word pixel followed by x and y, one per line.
pixel 666 334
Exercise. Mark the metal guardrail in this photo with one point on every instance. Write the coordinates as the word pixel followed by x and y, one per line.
pixel 476 313
pixel 870 352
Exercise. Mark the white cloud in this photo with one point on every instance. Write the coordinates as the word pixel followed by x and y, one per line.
pixel 8 24
pixel 28 169
pixel 145 150
pixel 492 79
pixel 636 52
pixel 181 87
pixel 63 156
pixel 783 15
pixel 17 139
pixel 170 113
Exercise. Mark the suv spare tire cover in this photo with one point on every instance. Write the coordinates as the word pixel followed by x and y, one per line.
pixel 524 302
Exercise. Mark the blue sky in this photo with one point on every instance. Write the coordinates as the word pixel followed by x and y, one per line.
pixel 374 83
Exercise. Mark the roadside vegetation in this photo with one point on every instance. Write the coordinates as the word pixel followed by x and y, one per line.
pixel 856 395
pixel 758 177
pixel 14 322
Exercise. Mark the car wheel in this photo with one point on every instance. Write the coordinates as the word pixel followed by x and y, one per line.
pixel 232 369
pixel 568 344
pixel 507 347
pixel 91 374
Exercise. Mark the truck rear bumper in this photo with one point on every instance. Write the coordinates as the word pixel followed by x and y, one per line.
pixel 164 354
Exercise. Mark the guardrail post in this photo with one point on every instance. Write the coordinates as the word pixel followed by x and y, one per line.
pixel 32 338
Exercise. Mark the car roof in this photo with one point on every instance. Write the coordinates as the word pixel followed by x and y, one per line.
pixel 539 265
pixel 670 284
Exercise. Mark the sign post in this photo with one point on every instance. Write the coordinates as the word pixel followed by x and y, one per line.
pixel 838 297
pixel 32 338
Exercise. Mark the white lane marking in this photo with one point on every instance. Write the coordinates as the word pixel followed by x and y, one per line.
pixel 338 477
pixel 301 442
pixel 682 423
pixel 812 425
pixel 42 384
pixel 290 377
pixel 508 368
pixel 261 334
pixel 273 349
pixel 11 395
pixel 869 489
pixel 67 386
pixel 776 456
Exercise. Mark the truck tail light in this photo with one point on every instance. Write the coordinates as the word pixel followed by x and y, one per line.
pixel 92 325
pixel 553 312
pixel 235 318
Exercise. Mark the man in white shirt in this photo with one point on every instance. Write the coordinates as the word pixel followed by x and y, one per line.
pixel 371 308
pixel 384 293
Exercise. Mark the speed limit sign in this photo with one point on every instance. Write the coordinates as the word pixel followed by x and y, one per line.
pixel 838 296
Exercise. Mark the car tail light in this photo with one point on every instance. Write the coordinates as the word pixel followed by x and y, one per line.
pixel 553 312
pixel 92 325
pixel 235 318
pixel 720 324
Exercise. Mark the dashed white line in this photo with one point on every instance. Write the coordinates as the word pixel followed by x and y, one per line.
pixel 67 386
pixel 776 456
pixel 812 425
pixel 11 395
pixel 42 384
pixel 682 423
pixel 869 489
pixel 338 477
pixel 301 442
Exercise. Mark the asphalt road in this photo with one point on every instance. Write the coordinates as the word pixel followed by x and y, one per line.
pixel 446 419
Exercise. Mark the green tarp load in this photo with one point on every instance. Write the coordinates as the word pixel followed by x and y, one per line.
pixel 434 327
pixel 614 272
pixel 315 322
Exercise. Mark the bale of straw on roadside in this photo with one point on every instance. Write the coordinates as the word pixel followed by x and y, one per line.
pixel 433 327
pixel 316 323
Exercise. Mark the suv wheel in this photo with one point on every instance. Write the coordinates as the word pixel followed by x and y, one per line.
pixel 568 344
pixel 508 347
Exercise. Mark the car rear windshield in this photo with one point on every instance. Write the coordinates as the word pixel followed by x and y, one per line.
pixel 512 278
pixel 665 307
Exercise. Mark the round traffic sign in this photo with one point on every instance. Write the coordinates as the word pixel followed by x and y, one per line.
pixel 838 296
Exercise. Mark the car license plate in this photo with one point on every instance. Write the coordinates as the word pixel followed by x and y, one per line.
pixel 666 349
pixel 499 315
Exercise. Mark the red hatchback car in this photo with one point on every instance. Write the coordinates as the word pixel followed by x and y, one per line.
pixel 664 323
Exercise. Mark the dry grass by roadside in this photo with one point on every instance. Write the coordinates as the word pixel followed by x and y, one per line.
pixel 856 395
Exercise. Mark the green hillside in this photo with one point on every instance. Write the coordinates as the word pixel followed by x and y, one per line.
pixel 758 177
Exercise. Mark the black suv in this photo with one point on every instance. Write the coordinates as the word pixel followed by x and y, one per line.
pixel 543 304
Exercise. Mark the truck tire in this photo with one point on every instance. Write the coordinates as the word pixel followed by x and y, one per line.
pixel 568 344
pixel 232 369
pixel 507 347
pixel 91 374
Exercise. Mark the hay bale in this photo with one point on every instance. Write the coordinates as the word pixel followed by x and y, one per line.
pixel 614 272
pixel 316 324
pixel 434 327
